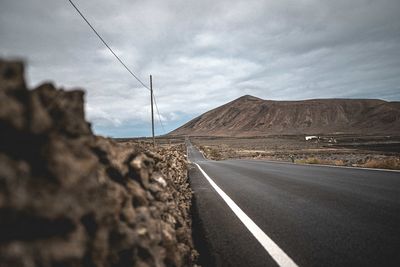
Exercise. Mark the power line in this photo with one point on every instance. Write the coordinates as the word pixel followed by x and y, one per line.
pixel 109 48
pixel 120 61
pixel 158 113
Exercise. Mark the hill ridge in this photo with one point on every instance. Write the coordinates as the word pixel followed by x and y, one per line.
pixel 253 116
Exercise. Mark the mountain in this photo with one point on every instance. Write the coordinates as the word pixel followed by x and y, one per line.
pixel 252 116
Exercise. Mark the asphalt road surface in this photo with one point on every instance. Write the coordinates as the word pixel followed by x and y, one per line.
pixel 318 216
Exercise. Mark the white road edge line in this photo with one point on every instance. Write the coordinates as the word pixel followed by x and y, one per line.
pixel 279 256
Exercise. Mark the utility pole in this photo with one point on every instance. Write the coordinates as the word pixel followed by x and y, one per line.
pixel 152 112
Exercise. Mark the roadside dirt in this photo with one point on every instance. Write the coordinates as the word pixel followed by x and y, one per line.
pixel 357 151
pixel 70 198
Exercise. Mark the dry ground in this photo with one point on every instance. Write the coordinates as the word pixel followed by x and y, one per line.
pixel 344 150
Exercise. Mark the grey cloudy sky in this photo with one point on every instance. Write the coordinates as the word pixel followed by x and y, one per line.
pixel 204 53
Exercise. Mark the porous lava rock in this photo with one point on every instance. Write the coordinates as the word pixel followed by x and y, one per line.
pixel 70 198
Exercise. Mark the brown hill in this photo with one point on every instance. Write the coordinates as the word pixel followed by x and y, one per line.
pixel 252 116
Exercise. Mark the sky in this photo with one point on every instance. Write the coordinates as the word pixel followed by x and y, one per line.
pixel 203 54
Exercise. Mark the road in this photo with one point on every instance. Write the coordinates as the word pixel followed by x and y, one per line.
pixel 318 216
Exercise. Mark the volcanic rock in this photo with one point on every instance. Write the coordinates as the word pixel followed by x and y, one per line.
pixel 70 198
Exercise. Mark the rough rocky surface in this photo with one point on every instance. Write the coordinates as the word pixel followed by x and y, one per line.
pixel 69 198
pixel 252 116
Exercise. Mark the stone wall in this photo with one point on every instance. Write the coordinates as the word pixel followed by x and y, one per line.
pixel 70 198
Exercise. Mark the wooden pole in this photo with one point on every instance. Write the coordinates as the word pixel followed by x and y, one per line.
pixel 152 111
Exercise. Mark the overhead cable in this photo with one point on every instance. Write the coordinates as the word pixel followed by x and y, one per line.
pixel 158 113
pixel 109 48
pixel 119 60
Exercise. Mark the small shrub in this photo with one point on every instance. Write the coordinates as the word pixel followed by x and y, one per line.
pixel 211 153
pixel 314 160
pixel 386 163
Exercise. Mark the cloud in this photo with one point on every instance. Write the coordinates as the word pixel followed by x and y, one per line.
pixel 205 53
